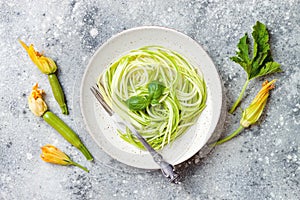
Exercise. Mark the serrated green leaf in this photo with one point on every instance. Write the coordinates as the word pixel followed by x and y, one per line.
pixel 242 57
pixel 269 68
pixel 261 38
pixel 243 47
pixel 261 48
pixel 256 66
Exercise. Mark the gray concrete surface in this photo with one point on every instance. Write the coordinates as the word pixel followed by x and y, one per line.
pixel 262 163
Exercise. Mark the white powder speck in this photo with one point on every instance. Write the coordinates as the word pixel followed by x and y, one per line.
pixel 3 177
pixel 267 160
pixel 140 177
pixel 281 118
pixel 295 158
pixel 169 9
pixel 289 157
pixel 60 20
pixel 29 156
pixel 278 142
pixel 93 32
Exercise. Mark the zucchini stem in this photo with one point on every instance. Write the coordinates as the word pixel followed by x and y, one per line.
pixel 58 93
pixel 238 101
pixel 80 166
pixel 229 137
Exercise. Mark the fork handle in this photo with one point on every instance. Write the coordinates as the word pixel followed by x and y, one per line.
pixel 167 169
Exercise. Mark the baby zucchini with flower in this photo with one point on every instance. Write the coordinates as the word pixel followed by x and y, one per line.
pixel 253 112
pixel 51 154
pixel 38 106
pixel 47 66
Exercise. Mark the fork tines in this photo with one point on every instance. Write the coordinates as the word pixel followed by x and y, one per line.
pixel 100 98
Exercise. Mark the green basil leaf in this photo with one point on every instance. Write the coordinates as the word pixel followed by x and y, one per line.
pixel 154 102
pixel 137 103
pixel 155 89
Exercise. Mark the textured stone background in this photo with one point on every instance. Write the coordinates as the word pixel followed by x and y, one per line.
pixel 262 163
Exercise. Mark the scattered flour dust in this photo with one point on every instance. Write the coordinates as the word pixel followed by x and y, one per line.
pixel 29 156
pixel 93 32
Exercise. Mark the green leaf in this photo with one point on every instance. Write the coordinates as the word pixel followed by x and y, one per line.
pixel 154 102
pixel 261 49
pixel 261 38
pixel 257 65
pixel 155 89
pixel 137 103
pixel 242 57
pixel 269 68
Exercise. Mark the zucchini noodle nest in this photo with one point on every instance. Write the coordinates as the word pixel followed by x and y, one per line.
pixel 182 101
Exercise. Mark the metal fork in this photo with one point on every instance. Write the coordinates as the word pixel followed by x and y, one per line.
pixel 167 169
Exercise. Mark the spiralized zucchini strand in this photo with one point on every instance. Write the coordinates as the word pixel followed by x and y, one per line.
pixel 180 105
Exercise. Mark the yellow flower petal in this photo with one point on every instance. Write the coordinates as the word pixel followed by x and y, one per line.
pixel 35 101
pixel 45 64
pixel 53 155
pixel 255 109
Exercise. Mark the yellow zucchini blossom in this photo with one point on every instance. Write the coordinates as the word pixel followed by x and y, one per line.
pixel 52 154
pixel 36 102
pixel 45 64
pixel 254 111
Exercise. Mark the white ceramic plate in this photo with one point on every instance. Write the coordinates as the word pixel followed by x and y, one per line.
pixel 103 130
